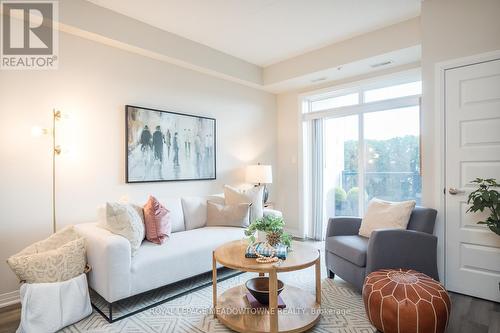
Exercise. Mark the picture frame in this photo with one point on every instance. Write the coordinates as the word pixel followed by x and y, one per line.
pixel 165 146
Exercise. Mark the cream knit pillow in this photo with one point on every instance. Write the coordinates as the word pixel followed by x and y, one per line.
pixel 58 258
pixel 385 215
pixel 125 220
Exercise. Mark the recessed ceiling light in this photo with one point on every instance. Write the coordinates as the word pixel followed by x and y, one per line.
pixel 380 64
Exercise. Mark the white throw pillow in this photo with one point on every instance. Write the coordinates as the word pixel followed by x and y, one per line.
pixel 385 215
pixel 228 215
pixel 253 196
pixel 124 220
pixel 195 212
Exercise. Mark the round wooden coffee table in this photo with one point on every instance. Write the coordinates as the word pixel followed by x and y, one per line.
pixel 233 310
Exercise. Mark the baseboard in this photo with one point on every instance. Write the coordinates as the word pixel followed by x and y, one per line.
pixel 9 298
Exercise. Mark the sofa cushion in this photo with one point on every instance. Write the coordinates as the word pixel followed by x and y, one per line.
pixel 195 212
pixel 351 248
pixel 186 254
pixel 176 215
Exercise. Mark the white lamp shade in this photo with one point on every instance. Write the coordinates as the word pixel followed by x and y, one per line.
pixel 259 174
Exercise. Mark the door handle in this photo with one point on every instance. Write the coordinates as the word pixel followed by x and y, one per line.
pixel 455 191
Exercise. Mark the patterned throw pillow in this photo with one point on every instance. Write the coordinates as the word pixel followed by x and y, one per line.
pixel 157 221
pixel 58 258
pixel 253 196
pixel 124 220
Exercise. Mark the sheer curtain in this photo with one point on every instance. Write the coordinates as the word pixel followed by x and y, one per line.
pixel 317 167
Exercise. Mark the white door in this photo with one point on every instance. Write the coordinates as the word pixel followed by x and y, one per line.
pixel 472 113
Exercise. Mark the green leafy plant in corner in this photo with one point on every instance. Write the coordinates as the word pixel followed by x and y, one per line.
pixel 486 197
pixel 268 224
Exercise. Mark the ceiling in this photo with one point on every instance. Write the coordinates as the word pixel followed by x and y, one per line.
pixel 264 32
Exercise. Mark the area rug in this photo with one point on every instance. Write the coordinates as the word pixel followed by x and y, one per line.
pixel 342 309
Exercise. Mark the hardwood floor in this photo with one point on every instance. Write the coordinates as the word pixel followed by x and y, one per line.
pixel 468 314
pixel 9 318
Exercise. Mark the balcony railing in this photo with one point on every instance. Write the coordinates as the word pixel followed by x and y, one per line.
pixel 386 185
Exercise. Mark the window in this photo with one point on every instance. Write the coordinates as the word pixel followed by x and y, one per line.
pixel 369 150
pixel 392 155
pixel 335 102
pixel 400 90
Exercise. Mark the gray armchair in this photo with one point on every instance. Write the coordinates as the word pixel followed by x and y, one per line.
pixel 352 257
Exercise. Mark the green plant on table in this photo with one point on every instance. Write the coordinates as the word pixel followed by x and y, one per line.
pixel 486 197
pixel 273 226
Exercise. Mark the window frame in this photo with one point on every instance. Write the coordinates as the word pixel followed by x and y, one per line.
pixel 306 116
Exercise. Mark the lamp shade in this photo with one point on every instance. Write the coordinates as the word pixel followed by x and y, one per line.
pixel 259 174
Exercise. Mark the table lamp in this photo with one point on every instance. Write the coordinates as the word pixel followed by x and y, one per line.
pixel 260 174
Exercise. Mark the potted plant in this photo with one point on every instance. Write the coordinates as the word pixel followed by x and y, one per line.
pixel 272 226
pixel 486 197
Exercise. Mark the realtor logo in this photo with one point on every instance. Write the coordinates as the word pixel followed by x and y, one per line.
pixel 29 38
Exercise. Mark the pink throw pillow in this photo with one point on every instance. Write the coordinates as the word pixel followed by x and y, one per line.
pixel 156 221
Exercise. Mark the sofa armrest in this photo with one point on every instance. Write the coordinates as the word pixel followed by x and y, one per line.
pixel 343 226
pixel 109 255
pixel 269 211
pixel 408 249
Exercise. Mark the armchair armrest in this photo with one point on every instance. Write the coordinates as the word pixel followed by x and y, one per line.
pixel 109 255
pixel 408 249
pixel 343 226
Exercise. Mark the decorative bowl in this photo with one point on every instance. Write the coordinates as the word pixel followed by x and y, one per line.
pixel 259 288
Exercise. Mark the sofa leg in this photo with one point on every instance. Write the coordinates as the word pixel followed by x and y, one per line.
pixel 331 275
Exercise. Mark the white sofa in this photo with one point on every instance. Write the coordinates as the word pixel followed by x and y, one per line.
pixel 116 275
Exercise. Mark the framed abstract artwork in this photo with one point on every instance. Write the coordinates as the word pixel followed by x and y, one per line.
pixel 168 146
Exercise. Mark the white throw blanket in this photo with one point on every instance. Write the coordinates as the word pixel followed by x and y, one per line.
pixel 48 307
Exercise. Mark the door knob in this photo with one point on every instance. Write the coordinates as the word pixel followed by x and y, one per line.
pixel 455 191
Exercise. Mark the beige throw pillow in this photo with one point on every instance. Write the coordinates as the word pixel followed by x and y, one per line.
pixel 228 215
pixel 125 220
pixel 386 215
pixel 58 258
pixel 252 196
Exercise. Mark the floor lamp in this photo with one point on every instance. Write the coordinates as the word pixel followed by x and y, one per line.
pixel 56 150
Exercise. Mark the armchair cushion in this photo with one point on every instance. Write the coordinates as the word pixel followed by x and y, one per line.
pixel 351 248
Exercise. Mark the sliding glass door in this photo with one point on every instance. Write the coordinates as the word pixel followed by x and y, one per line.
pixel 341 175
pixel 392 155
pixel 388 167
pixel 370 144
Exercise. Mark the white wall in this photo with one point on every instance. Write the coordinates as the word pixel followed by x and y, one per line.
pixel 92 84
pixel 451 29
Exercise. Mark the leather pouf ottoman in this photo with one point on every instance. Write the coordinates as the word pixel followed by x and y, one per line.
pixel 405 301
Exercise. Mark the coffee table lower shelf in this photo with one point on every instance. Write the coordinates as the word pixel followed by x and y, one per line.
pixel 301 312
